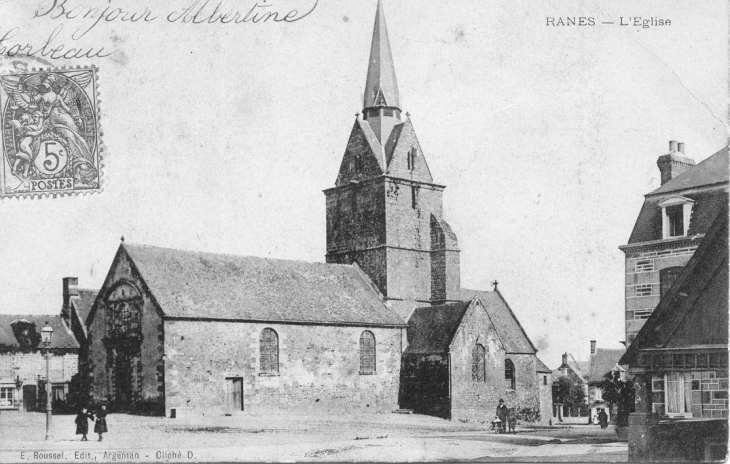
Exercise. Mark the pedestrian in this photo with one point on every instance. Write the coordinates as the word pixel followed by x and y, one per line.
pixel 603 418
pixel 502 414
pixel 100 426
pixel 82 423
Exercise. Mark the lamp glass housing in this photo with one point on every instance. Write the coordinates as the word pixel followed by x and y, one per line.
pixel 46 334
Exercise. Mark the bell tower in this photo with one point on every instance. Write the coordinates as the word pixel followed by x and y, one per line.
pixel 385 211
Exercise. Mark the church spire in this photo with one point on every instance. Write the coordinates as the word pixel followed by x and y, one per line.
pixel 381 101
pixel 381 87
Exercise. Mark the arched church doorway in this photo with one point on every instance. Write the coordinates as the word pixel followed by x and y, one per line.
pixel 123 343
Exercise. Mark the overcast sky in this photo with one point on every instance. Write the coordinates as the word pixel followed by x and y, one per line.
pixel 221 138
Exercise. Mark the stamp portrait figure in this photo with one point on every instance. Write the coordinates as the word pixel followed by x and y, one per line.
pixel 50 132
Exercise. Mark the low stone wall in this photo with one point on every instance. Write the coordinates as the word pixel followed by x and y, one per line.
pixel 677 440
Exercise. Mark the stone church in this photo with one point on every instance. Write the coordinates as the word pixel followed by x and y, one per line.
pixel 176 331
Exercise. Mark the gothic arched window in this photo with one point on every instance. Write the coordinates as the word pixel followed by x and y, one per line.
pixel 123 310
pixel 269 351
pixel 367 352
pixel 477 363
pixel 509 374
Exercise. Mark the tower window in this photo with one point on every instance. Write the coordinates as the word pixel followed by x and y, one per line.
pixel 414 197
pixel 269 351
pixel 675 218
pixel 412 156
pixel 387 112
pixel 358 163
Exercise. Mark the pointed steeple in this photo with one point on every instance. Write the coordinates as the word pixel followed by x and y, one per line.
pixel 381 101
pixel 381 87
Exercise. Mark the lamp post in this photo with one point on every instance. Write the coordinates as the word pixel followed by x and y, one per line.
pixel 46 336
pixel 18 384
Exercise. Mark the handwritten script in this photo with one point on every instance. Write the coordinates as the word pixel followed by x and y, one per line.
pixel 82 19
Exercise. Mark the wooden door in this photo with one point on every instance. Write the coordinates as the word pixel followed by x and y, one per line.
pixel 29 398
pixel 234 394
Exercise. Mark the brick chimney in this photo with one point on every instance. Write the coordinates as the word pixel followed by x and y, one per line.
pixel 674 163
pixel 70 289
pixel 565 359
pixel 593 347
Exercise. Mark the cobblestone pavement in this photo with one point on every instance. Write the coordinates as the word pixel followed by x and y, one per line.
pixel 344 437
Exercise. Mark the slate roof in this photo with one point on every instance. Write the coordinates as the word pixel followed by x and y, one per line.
pixel 381 71
pixel 541 367
pixel 84 302
pixel 191 284
pixel 431 329
pixel 706 271
pixel 505 322
pixel 711 172
pixel 603 362
pixel 62 337
pixel 576 368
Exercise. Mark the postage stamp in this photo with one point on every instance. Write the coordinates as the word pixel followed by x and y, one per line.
pixel 50 132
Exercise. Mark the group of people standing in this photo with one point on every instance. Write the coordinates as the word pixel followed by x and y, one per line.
pixel 82 422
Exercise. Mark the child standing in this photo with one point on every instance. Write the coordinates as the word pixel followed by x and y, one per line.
pixel 100 426
pixel 82 423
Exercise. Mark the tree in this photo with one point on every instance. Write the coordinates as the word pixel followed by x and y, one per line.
pixel 619 393
pixel 570 393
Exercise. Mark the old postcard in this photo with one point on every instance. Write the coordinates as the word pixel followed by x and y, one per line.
pixel 384 230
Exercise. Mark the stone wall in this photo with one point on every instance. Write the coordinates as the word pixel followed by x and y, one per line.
pixel 526 395
pixel 319 368
pixel 28 366
pixel 471 400
pixel 150 376
pixel 545 393
pixel 686 441
pixel 384 224
pixel 709 394
pixel 643 267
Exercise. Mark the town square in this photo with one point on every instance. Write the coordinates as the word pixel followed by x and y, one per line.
pixel 313 234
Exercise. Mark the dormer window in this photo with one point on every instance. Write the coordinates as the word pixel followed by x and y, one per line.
pixel 675 220
pixel 676 213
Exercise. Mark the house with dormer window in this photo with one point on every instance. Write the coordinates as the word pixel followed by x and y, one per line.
pixel 671 225
pixel 679 362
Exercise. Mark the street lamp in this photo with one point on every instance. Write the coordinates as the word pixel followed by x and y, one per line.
pixel 18 384
pixel 46 336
